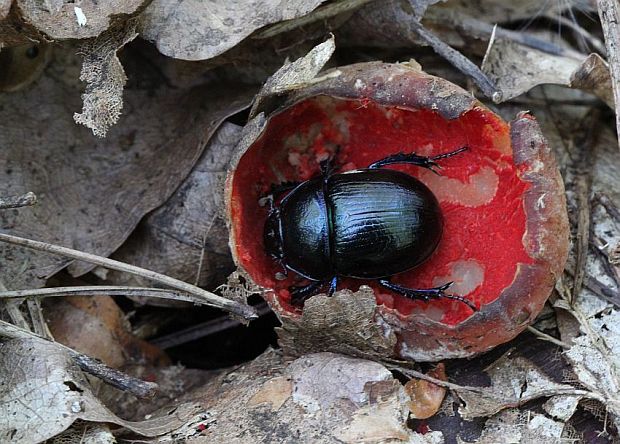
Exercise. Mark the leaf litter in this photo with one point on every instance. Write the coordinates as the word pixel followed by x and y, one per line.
pixel 108 189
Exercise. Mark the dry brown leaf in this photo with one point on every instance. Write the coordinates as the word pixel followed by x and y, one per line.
pixel 96 326
pixel 195 30
pixel 593 76
pixel 59 20
pixel 105 79
pixel 186 238
pixel 294 75
pixel 318 398
pixel 92 192
pixel 43 392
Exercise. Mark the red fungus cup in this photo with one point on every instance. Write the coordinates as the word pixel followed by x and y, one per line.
pixel 505 236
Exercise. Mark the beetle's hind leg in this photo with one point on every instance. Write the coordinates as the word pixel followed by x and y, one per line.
pixel 414 159
pixel 426 294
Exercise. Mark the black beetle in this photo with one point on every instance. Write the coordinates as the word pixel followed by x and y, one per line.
pixel 365 224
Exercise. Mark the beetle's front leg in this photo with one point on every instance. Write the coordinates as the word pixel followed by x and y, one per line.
pixel 414 159
pixel 426 294
pixel 299 295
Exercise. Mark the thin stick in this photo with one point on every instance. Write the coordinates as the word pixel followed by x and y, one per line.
pixel 120 380
pixel 610 21
pixel 25 200
pixel 100 290
pixel 583 185
pixel 546 337
pixel 208 298
pixel 459 61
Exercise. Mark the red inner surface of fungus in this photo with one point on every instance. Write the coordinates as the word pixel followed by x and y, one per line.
pixel 480 193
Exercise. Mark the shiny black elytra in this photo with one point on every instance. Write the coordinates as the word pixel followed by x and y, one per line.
pixel 365 224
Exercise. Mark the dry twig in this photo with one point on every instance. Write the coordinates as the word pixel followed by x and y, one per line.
pixel 208 298
pixel 120 380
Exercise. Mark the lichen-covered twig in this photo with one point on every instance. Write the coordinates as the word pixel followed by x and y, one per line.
pixel 207 298
pixel 24 200
pixel 459 61
pixel 120 380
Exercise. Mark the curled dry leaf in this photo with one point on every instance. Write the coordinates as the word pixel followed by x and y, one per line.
pixel 186 238
pixel 100 188
pixel 426 397
pixel 195 30
pixel 514 381
pixel 59 20
pixel 96 326
pixel 82 432
pixel 515 69
pixel 105 79
pixel 43 393
pixel 322 397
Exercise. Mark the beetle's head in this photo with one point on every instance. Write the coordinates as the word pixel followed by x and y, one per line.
pixel 272 236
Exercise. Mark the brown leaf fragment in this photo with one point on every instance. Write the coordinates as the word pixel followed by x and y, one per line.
pixel 105 79
pixel 294 75
pixel 186 238
pixel 593 76
pixel 274 392
pixel 197 30
pixel 92 192
pixel 43 392
pixel 426 397
pixel 60 20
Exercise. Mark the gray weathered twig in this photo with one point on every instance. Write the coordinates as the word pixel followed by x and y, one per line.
pixel 459 61
pixel 208 298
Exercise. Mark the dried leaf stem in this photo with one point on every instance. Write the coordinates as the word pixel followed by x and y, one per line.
pixel 120 380
pixel 459 61
pixel 609 12
pixel 100 290
pixel 208 298
pixel 25 200
pixel 546 337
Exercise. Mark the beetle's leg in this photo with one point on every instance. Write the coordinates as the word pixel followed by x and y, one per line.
pixel 300 294
pixel 426 294
pixel 414 159
pixel 332 286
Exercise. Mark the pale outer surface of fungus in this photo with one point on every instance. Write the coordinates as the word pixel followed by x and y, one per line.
pixel 419 336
